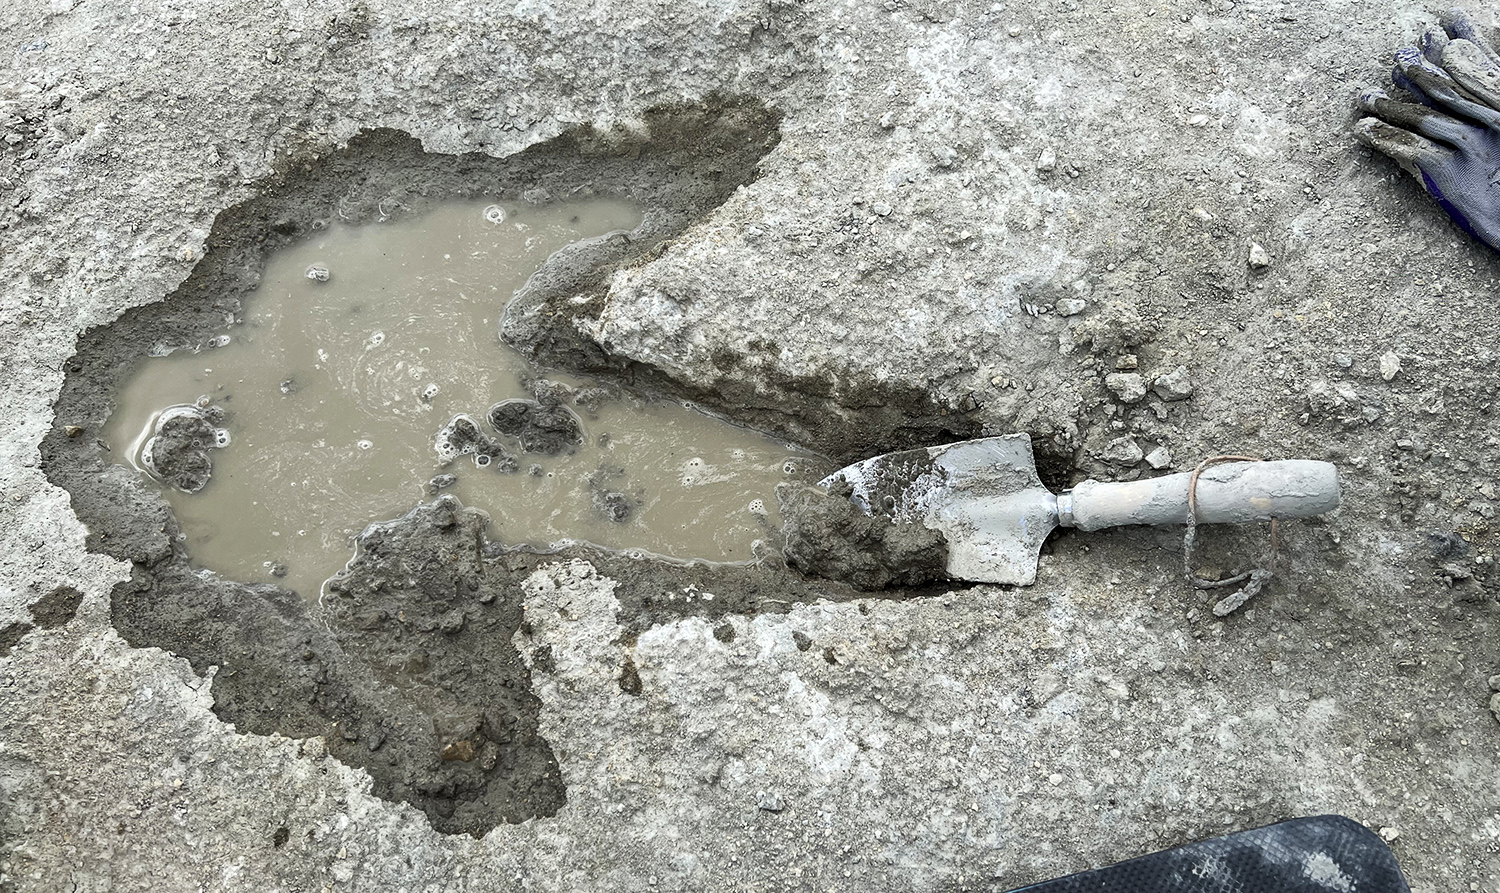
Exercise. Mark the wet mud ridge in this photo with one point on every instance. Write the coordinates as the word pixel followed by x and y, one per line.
pixel 407 666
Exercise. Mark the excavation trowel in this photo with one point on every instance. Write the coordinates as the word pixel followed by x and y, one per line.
pixel 984 496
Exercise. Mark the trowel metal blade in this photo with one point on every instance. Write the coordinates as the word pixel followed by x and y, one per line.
pixel 982 495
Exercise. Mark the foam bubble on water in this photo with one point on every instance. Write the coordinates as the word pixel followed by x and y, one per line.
pixel 789 467
pixel 317 273
pixel 147 456
pixel 375 340
pixel 494 214
pixel 221 437
pixel 429 392
pixel 693 470
pixel 738 455
pixel 757 506
pixel 481 460
pixel 218 341
pixel 363 444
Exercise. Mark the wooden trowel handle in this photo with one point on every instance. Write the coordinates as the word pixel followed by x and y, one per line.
pixel 1243 491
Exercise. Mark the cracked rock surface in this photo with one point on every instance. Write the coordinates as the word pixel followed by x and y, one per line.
pixel 970 215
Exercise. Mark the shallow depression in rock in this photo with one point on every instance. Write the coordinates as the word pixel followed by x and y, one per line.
pixel 366 375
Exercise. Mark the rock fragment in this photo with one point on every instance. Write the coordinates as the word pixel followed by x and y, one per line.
pixel 1340 401
pixel 1070 306
pixel 1175 385
pixel 1047 161
pixel 1258 258
pixel 1123 451
pixel 1128 387
pixel 1159 458
pixel 1390 365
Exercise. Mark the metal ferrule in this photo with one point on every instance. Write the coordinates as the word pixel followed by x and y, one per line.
pixel 1065 509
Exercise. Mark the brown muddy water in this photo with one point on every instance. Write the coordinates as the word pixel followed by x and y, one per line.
pixel 363 343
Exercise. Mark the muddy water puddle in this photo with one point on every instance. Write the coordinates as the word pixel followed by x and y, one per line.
pixel 366 375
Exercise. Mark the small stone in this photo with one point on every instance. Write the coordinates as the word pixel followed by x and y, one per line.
pixel 1457 570
pixel 1070 306
pixel 1201 214
pixel 452 622
pixel 1390 365
pixel 1013 31
pixel 1198 121
pixel 1495 682
pixel 1128 387
pixel 1047 161
pixel 1159 458
pixel 881 209
pixel 1122 451
pixel 1175 385
pixel 317 273
pixel 1127 362
pixel 1055 779
pixel 1389 834
pixel 460 751
pixel 72 430
pixel 768 802
pixel 1343 360
pixel 1259 259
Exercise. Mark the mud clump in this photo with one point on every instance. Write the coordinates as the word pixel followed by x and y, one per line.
pixel 826 535
pixel 550 429
pixel 50 611
pixel 433 619
pixel 609 501
pixel 56 607
pixel 617 507
pixel 407 671
pixel 178 451
pixel 462 436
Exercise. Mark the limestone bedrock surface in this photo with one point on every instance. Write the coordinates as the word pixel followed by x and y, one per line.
pixel 891 275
